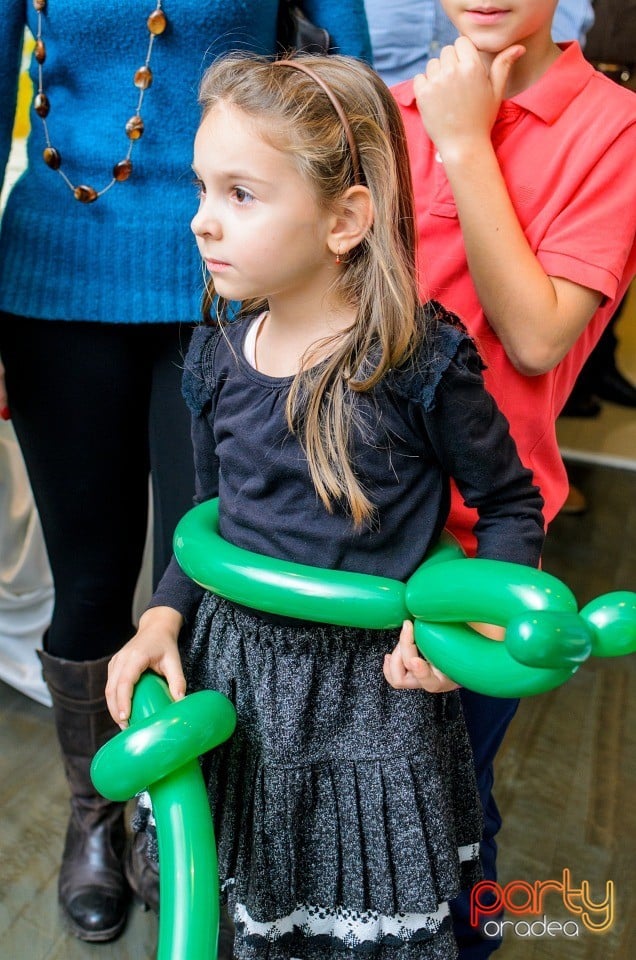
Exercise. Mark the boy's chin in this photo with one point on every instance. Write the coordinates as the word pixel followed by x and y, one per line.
pixel 489 48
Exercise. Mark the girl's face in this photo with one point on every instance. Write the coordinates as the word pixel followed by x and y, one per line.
pixel 493 25
pixel 259 228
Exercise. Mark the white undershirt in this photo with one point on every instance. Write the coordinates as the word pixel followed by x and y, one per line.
pixel 249 344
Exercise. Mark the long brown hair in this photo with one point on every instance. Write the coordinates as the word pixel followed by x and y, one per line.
pixel 295 115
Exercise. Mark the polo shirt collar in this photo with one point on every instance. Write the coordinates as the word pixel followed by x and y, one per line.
pixel 553 93
pixel 549 97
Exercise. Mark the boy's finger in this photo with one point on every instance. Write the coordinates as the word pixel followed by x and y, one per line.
pixel 501 67
pixel 465 49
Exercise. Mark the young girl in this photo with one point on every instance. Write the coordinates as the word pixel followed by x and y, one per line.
pixel 328 418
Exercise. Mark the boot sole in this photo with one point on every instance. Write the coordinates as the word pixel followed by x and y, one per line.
pixel 92 936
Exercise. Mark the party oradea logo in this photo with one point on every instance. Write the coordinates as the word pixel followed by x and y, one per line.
pixel 530 903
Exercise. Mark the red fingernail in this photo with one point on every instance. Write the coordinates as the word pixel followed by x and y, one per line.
pixel 5 413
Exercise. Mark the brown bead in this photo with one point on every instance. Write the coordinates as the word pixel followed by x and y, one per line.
pixel 143 78
pixel 40 51
pixel 39 5
pixel 41 105
pixel 52 158
pixel 135 127
pixel 85 194
pixel 157 22
pixel 122 170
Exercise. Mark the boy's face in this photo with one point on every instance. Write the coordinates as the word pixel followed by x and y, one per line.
pixel 493 25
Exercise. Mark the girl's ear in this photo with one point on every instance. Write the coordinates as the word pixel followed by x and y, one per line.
pixel 352 220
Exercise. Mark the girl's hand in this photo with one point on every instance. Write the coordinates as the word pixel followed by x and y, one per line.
pixel 154 647
pixel 458 97
pixel 405 669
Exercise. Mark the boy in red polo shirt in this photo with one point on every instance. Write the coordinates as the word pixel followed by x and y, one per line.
pixel 521 156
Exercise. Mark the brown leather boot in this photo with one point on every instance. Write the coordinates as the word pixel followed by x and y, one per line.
pixel 92 890
pixel 142 872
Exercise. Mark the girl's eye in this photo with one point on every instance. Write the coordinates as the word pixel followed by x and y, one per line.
pixel 200 188
pixel 241 195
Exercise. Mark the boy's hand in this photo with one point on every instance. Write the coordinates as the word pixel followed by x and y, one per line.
pixel 154 647
pixel 458 98
pixel 405 669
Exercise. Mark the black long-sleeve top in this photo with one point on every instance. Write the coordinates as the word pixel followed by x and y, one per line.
pixel 430 420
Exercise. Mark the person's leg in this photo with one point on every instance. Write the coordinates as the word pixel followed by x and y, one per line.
pixel 610 383
pixel 79 413
pixel 487 719
pixel 171 460
pixel 77 404
pixel 600 376
pixel 172 477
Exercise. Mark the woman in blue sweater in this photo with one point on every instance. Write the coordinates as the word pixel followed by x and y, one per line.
pixel 97 298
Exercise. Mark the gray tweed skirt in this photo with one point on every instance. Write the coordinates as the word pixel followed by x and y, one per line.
pixel 346 812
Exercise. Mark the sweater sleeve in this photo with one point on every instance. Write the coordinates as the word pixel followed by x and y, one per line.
pixel 472 440
pixel 346 24
pixel 176 589
pixel 11 38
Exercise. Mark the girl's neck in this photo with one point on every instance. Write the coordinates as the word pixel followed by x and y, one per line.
pixel 288 335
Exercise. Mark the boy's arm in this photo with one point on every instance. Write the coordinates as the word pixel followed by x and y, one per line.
pixel 536 317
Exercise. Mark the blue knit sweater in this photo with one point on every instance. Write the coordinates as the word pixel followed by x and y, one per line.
pixel 129 257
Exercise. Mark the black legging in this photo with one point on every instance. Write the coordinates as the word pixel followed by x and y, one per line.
pixel 96 407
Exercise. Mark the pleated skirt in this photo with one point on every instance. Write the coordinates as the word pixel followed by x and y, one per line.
pixel 346 812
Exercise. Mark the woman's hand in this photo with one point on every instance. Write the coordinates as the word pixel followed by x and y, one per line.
pixel 405 669
pixel 154 647
pixel 4 400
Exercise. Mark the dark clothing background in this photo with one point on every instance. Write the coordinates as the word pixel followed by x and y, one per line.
pixel 612 38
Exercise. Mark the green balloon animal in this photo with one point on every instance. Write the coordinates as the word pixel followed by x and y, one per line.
pixel 158 752
pixel 547 637
pixel 546 640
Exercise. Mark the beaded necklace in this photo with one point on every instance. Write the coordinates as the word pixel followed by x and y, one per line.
pixel 142 79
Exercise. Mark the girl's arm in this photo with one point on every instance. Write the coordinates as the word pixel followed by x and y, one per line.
pixel 471 439
pixel 536 317
pixel 176 599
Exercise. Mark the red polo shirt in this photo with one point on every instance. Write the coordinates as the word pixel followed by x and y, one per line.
pixel 566 148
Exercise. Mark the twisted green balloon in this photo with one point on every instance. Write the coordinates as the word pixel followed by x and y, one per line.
pixel 546 638
pixel 546 641
pixel 158 752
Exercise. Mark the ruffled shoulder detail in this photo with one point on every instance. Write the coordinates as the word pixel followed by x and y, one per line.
pixel 445 336
pixel 198 370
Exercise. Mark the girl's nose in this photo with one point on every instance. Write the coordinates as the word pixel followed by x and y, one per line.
pixel 204 223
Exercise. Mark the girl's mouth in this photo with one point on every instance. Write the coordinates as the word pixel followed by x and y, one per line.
pixel 216 266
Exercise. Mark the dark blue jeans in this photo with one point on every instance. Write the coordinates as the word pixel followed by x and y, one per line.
pixel 487 719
